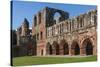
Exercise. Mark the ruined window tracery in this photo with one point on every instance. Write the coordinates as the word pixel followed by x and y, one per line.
pixel 57 17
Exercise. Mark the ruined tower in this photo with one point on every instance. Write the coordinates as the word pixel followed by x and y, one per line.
pixel 25 28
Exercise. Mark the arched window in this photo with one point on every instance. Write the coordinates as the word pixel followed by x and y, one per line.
pixel 41 35
pixel 39 18
pixel 37 36
pixel 56 48
pixel 35 20
pixel 57 17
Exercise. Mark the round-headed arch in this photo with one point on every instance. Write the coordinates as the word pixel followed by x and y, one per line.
pixel 75 48
pixel 56 48
pixel 49 49
pixel 65 47
pixel 87 45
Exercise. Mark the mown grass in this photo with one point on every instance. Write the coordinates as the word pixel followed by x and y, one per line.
pixel 33 60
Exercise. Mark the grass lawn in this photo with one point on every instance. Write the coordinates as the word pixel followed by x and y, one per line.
pixel 33 60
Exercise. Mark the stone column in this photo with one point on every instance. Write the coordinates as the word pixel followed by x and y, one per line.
pixel 47 51
pixel 61 50
pixel 70 51
pixel 82 52
pixel 95 50
pixel 53 52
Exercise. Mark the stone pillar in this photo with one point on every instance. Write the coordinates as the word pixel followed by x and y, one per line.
pixel 53 51
pixel 61 50
pixel 47 51
pixel 82 52
pixel 70 51
pixel 95 50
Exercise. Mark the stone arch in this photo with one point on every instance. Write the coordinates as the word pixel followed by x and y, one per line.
pixel 64 47
pixel 61 17
pixel 56 48
pixel 49 49
pixel 56 17
pixel 87 46
pixel 75 48
pixel 50 16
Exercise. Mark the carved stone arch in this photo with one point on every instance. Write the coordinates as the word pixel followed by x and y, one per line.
pixel 86 40
pixel 55 48
pixel 63 15
pixel 87 46
pixel 50 13
pixel 75 48
pixel 92 39
pixel 56 17
pixel 49 49
pixel 64 47
pixel 62 41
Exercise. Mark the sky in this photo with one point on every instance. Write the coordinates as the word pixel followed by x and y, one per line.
pixel 25 9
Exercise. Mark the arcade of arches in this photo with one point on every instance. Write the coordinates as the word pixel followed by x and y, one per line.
pixel 63 48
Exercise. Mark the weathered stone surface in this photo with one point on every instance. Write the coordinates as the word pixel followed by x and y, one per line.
pixel 60 35
pixel 81 29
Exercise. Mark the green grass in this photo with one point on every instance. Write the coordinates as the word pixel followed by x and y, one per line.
pixel 30 60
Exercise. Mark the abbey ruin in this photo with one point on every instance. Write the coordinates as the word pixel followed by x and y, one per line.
pixel 54 33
